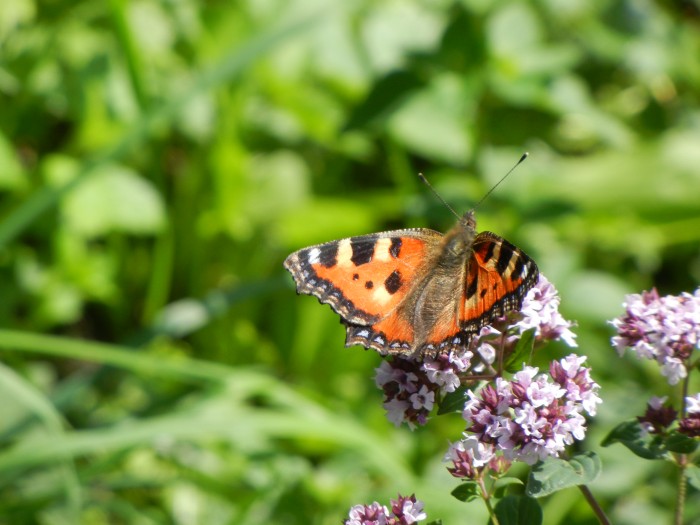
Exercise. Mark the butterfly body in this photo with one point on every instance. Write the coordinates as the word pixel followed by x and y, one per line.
pixel 416 292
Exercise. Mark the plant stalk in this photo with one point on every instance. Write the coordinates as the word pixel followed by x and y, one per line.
pixel 682 460
pixel 597 509
pixel 487 500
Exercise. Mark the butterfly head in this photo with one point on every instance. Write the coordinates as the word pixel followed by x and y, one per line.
pixel 468 220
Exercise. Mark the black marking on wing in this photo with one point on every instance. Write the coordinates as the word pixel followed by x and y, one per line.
pixel 505 254
pixel 489 252
pixel 520 263
pixel 362 250
pixel 395 248
pixel 471 288
pixel 393 282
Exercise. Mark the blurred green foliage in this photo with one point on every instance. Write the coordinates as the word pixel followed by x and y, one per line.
pixel 158 160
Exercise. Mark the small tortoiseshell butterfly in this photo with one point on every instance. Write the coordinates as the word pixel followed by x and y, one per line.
pixel 416 292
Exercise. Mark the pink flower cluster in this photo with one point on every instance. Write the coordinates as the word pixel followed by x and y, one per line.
pixel 665 329
pixel 405 510
pixel 410 387
pixel 531 417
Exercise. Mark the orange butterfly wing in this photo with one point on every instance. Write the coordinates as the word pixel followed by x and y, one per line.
pixel 498 277
pixel 364 279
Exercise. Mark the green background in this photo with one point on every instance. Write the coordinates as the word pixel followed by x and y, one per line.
pixel 159 160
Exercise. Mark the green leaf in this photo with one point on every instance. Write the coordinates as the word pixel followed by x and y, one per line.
pixel 692 474
pixel 555 474
pixel 452 402
pixel 522 351
pixel 518 510
pixel 502 484
pixel 629 434
pixel 680 443
pixel 468 491
pixel 114 199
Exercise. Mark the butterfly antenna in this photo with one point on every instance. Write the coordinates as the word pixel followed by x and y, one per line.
pixel 524 156
pixel 422 177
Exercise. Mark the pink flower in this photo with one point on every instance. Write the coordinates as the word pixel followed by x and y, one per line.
pixel 540 311
pixel 665 329
pixel 373 514
pixel 405 510
pixel 469 456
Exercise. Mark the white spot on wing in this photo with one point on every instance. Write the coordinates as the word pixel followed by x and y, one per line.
pixel 380 295
pixel 314 255
pixel 381 249
pixel 344 253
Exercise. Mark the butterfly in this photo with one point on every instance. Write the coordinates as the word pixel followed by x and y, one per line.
pixel 416 292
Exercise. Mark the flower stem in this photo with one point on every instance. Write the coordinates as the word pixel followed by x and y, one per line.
pixel 682 460
pixel 680 499
pixel 597 509
pixel 487 500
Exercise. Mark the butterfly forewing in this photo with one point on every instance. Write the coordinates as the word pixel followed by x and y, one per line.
pixel 498 277
pixel 365 278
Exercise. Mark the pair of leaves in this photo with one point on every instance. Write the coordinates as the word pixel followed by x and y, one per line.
pixel 650 446
pixel 469 490
pixel 510 510
pixel 546 477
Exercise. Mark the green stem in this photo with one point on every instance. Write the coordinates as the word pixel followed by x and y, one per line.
pixel 597 509
pixel 680 499
pixel 487 499
pixel 682 460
